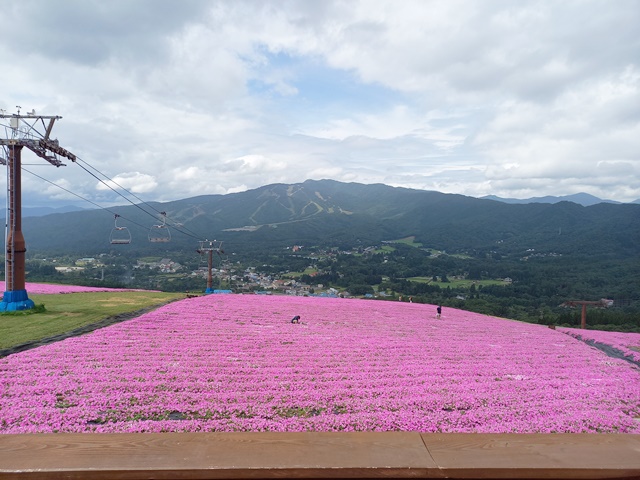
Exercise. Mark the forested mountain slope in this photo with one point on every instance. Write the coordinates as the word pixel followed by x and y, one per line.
pixel 331 213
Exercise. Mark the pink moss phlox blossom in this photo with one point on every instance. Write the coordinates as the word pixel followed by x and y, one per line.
pixel 627 343
pixel 51 289
pixel 237 363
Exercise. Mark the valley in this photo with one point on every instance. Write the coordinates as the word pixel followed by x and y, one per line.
pixel 519 261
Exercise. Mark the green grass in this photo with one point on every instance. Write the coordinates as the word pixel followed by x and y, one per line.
pixel 63 313
pixel 437 253
pixel 456 283
pixel 421 279
pixel 149 259
pixel 411 241
pixel 307 271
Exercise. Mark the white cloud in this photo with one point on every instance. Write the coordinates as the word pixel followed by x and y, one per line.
pixel 134 182
pixel 255 163
pixel 197 97
pixel 593 125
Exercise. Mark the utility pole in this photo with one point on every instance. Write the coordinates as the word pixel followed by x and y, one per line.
pixel 31 131
pixel 209 251
pixel 602 303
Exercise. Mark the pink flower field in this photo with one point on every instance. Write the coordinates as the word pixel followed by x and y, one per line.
pixel 50 288
pixel 627 343
pixel 237 363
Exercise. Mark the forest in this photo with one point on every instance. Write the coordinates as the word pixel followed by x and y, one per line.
pixel 536 290
pixel 375 241
pixel 529 288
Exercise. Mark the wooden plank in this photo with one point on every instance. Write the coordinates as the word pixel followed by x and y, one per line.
pixel 215 456
pixel 318 455
pixel 531 456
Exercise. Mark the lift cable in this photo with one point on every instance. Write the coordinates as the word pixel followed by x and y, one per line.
pixel 85 199
pixel 195 236
pixel 32 131
pixel 79 161
pixel 116 191
pixel 178 226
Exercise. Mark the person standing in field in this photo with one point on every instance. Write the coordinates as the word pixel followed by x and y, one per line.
pixel 438 311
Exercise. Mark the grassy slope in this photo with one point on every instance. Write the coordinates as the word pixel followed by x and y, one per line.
pixel 64 313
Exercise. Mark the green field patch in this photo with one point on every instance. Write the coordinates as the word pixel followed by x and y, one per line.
pixel 149 259
pixel 411 241
pixel 66 312
pixel 421 279
pixel 455 283
pixel 307 271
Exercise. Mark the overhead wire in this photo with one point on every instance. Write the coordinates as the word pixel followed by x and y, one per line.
pixel 85 199
pixel 116 191
pixel 192 234
pixel 178 226
pixel 80 162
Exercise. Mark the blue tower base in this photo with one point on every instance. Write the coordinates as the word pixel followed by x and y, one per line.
pixel 15 300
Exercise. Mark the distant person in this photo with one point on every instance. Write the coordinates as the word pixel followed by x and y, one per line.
pixel 438 311
pixel 296 319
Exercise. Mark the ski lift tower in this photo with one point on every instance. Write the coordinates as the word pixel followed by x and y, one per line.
pixel 34 132
pixel 209 251
pixel 602 303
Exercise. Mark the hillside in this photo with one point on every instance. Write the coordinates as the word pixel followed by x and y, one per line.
pixel 237 363
pixel 330 213
pixel 584 199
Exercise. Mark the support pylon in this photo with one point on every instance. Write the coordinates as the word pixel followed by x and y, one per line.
pixel 22 131
pixel 15 296
pixel 209 251
pixel 602 303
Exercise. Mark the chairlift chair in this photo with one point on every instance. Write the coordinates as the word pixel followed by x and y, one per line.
pixel 119 235
pixel 160 233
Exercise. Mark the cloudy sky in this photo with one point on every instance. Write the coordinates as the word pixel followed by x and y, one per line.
pixel 174 99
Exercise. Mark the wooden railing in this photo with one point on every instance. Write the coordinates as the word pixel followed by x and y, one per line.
pixel 319 455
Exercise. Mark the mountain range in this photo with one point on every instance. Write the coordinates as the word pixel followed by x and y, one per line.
pixel 582 198
pixel 41 211
pixel 331 213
